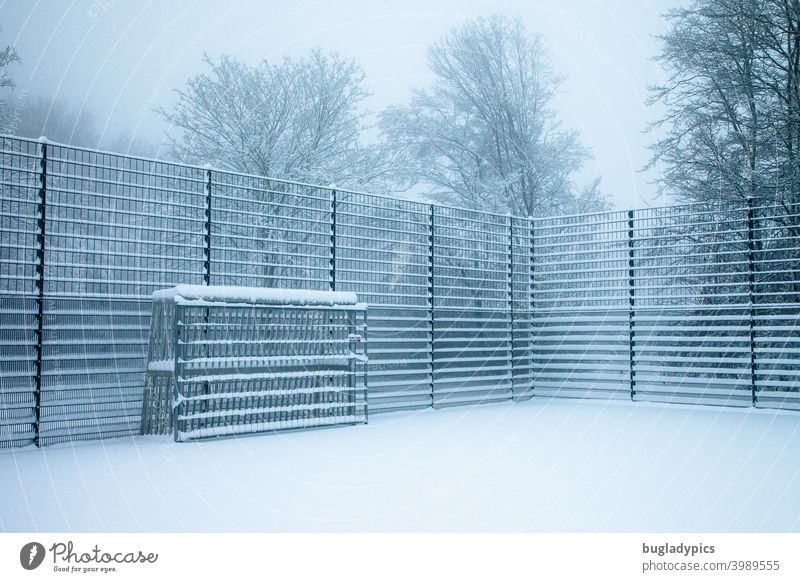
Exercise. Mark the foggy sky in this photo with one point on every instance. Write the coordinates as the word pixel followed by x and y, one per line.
pixel 124 58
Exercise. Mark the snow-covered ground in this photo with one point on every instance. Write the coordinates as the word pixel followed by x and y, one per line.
pixel 541 465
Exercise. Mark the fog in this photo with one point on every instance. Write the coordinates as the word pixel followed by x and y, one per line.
pixel 122 59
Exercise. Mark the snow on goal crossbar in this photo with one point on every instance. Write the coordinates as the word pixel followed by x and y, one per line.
pixel 225 361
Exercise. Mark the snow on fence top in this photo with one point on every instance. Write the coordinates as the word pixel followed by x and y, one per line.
pixel 256 295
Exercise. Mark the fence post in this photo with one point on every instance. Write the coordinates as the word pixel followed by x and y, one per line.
pixel 207 250
pixel 631 305
pixel 332 275
pixel 40 283
pixel 207 279
pixel 751 286
pixel 431 290
pixel 511 297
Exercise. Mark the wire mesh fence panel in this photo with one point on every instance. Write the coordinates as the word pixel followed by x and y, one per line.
pixel 581 262
pixel 118 228
pixel 776 295
pixel 693 355
pixel 776 339
pixel 691 256
pixel 382 249
pixel 581 303
pixel 17 370
pixel 691 321
pixel 582 354
pixel 269 233
pixel 93 357
pixel 19 287
pixel 472 352
pixel 776 254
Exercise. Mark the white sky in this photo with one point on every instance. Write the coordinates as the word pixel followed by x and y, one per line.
pixel 123 58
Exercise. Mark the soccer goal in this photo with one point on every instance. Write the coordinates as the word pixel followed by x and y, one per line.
pixel 226 361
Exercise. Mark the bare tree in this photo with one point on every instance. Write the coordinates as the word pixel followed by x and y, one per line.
pixel 731 131
pixel 8 56
pixel 732 125
pixel 711 144
pixel 779 80
pixel 485 134
pixel 297 119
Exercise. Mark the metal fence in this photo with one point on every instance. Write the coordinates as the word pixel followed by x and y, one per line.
pixel 694 303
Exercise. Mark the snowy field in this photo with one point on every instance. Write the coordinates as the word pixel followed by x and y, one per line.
pixel 542 465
